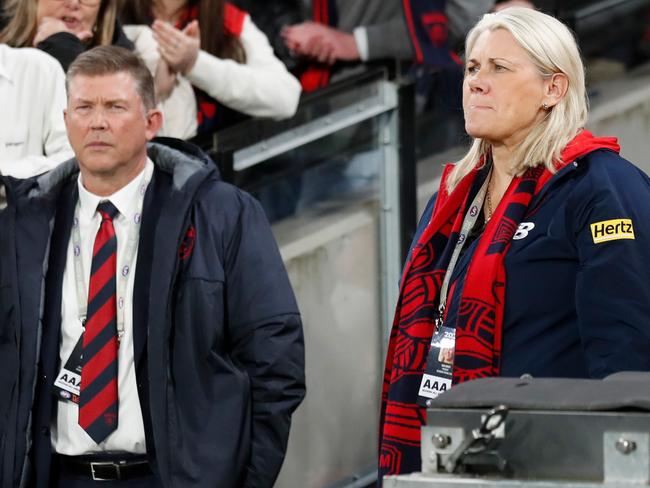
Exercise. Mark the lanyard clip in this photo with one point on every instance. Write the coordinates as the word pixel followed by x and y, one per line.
pixel 438 317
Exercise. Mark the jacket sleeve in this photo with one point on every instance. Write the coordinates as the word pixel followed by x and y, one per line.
pixel 271 18
pixel 462 15
pixel 63 46
pixel 48 103
pixel 613 281
pixel 56 145
pixel 389 39
pixel 262 87
pixel 267 340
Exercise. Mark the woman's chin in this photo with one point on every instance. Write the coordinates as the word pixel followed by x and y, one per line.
pixel 477 132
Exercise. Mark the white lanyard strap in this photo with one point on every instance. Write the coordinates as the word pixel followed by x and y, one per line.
pixel 122 276
pixel 468 224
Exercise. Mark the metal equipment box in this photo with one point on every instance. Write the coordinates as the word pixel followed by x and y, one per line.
pixel 537 433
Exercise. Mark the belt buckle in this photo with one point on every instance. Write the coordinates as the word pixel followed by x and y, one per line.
pixel 93 465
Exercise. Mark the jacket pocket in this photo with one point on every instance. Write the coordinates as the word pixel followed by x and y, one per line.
pixel 208 396
pixel 14 145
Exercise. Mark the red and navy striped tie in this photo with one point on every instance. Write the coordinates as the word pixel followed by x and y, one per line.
pixel 98 403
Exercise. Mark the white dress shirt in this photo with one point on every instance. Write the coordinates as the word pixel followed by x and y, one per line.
pixel 67 436
pixel 32 98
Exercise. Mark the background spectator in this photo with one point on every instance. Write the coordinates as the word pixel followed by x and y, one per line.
pixel 174 93
pixel 228 60
pixel 32 97
pixel 356 31
pixel 271 16
pixel 63 28
pixel 67 28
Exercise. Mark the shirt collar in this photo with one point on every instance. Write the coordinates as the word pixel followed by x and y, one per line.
pixel 4 70
pixel 126 199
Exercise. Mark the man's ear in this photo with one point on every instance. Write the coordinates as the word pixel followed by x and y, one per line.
pixel 556 88
pixel 154 123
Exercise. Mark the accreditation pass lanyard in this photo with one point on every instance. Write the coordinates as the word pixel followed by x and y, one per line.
pixel 122 277
pixel 438 373
pixel 468 224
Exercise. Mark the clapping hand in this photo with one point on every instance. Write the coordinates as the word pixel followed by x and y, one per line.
pixel 164 80
pixel 320 42
pixel 179 48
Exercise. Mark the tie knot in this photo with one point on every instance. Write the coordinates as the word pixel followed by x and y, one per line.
pixel 107 210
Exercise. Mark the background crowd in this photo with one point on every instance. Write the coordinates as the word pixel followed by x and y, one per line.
pixel 216 63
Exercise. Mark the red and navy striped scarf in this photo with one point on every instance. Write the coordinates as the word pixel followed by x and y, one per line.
pixel 480 316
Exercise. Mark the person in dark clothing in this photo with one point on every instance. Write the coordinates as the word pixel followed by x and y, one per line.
pixel 272 16
pixel 534 255
pixel 190 358
pixel 63 29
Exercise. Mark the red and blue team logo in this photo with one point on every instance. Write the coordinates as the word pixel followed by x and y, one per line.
pixel 187 246
pixel 435 24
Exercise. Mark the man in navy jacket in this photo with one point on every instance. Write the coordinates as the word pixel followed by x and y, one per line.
pixel 217 344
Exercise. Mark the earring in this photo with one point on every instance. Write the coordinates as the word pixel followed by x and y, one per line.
pixel 545 106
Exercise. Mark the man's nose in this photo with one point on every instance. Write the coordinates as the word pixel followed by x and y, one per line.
pixel 98 120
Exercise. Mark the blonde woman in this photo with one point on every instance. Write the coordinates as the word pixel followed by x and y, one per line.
pixel 534 256
pixel 66 28
pixel 62 28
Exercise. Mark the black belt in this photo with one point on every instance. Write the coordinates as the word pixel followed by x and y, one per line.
pixel 105 470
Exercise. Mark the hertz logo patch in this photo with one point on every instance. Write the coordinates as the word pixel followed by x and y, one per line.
pixel 612 230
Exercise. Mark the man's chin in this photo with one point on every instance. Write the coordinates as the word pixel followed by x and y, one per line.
pixel 97 165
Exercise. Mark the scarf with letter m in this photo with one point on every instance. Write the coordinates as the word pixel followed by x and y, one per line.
pixel 480 315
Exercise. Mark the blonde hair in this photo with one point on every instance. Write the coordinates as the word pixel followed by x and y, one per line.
pixel 553 49
pixel 21 27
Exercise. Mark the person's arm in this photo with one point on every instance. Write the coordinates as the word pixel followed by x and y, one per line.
pixel 174 94
pixel 266 338
pixel 49 103
pixel 56 146
pixel 260 88
pixel 613 283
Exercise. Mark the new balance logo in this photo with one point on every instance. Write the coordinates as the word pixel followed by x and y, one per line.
pixel 523 230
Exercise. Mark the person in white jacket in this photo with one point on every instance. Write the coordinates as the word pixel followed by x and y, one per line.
pixel 32 98
pixel 220 51
pixel 174 94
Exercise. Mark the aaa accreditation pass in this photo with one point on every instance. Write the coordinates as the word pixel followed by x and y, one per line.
pixel 440 364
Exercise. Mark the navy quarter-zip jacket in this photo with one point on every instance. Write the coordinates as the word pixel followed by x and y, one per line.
pixel 578 274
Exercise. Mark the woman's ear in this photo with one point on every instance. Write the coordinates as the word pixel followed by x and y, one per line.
pixel 556 88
